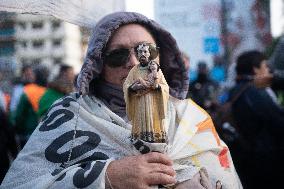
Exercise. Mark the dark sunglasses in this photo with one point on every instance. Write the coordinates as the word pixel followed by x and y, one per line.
pixel 119 57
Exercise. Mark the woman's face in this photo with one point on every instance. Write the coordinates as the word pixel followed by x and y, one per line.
pixel 125 37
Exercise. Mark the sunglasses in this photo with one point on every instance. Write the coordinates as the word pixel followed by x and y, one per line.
pixel 119 57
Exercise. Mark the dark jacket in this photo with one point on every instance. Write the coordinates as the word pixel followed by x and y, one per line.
pixel 56 89
pixel 259 118
pixel 260 123
pixel 204 92
pixel 8 146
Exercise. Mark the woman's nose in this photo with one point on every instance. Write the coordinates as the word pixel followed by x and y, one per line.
pixel 132 61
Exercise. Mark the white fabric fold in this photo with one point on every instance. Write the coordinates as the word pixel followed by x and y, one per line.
pixel 80 12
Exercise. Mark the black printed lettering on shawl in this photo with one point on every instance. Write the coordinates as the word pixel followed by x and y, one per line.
pixel 82 181
pixel 141 147
pixel 94 157
pixel 51 152
pixel 65 102
pixel 63 115
pixel 91 164
pixel 89 168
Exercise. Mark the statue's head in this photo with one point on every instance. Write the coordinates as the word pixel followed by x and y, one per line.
pixel 143 53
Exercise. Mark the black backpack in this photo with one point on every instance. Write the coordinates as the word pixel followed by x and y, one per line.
pixel 225 123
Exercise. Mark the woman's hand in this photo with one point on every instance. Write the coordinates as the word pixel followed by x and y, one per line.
pixel 141 172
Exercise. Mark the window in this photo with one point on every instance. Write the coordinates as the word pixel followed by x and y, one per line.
pixel 4 44
pixel 36 61
pixel 56 42
pixel 23 25
pixel 7 24
pixel 37 25
pixel 38 43
pixel 24 61
pixel 55 24
pixel 57 60
pixel 7 51
pixel 23 44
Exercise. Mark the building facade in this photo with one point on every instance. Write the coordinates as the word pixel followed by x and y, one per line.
pixel 7 40
pixel 47 40
pixel 38 39
pixel 205 29
pixel 7 49
pixel 194 24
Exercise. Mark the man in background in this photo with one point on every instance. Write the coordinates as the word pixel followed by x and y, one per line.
pixel 61 85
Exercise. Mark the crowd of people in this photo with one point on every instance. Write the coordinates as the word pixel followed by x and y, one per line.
pixel 83 140
pixel 255 128
pixel 32 94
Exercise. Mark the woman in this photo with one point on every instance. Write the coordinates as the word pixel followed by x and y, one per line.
pixel 84 140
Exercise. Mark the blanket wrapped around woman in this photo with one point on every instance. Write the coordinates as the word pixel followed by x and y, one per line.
pixel 80 136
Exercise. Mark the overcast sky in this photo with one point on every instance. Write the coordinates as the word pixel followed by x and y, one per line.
pixel 145 7
pixel 276 17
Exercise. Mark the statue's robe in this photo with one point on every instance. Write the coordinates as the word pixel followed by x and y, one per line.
pixel 146 112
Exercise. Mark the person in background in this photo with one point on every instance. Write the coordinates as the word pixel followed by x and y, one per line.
pixel 260 123
pixel 27 77
pixel 203 90
pixel 276 63
pixel 3 103
pixel 4 98
pixel 8 145
pixel 61 85
pixel 25 118
pixel 186 61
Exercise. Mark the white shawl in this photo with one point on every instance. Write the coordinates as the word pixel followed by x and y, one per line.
pixel 80 136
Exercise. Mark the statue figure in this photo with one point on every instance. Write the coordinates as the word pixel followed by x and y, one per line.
pixel 146 94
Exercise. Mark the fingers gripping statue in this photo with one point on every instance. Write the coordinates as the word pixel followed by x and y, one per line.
pixel 146 94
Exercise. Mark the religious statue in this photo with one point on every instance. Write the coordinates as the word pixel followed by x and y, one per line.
pixel 146 94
